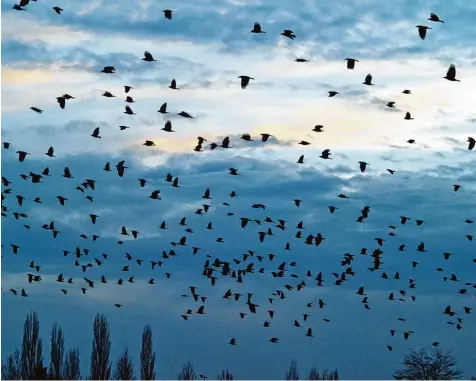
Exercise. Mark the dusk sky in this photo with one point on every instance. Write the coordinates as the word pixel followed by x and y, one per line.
pixel 205 48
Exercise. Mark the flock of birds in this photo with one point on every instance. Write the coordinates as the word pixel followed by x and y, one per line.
pixel 215 267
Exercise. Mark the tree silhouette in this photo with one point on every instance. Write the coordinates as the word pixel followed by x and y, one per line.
pixel 421 365
pixel 315 375
pixel 31 347
pixel 187 372
pixel 225 375
pixel 71 369
pixel 292 373
pixel 100 364
pixel 12 369
pixel 56 353
pixel 124 368
pixel 147 355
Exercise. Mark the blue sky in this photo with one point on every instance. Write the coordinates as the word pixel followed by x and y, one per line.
pixel 205 47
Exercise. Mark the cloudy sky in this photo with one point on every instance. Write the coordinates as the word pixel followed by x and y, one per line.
pixel 205 47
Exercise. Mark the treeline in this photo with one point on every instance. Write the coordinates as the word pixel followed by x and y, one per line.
pixel 28 362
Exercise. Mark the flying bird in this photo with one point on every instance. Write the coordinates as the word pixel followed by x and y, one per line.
pixel 422 30
pixel 256 28
pixel 435 18
pixel 245 80
pixel 148 57
pixel 451 74
pixel 351 63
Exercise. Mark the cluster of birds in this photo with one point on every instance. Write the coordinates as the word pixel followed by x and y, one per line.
pixel 251 262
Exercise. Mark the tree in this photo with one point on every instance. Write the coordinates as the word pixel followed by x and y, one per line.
pixel 124 368
pixel 421 365
pixel 12 369
pixel 57 353
pixel 100 364
pixel 71 370
pixel 292 373
pixel 147 355
pixel 225 375
pixel 315 375
pixel 187 372
pixel 31 347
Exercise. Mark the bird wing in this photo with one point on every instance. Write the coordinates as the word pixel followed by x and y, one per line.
pixel 422 33
pixel 451 71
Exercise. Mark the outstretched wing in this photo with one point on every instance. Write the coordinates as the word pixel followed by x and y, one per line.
pixel 451 71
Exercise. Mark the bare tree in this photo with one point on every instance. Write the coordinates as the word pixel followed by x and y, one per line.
pixel 31 347
pixel 100 364
pixel 71 370
pixel 292 373
pixel 147 355
pixel 225 375
pixel 187 372
pixel 12 369
pixel 421 365
pixel 315 375
pixel 57 353
pixel 124 368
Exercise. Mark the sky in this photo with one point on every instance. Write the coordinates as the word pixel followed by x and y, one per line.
pixel 206 47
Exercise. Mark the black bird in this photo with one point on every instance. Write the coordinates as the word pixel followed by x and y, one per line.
pixel 422 30
pixel 332 93
pixel 21 155
pixel 129 111
pixel 95 133
pixel 363 165
pixel 435 18
pixel 168 127
pixel 325 154
pixel 127 88
pixel 61 101
pixel 108 70
pixel 107 94
pixel 148 57
pixel 256 28
pixel 58 10
pixel 163 108
pixel 368 80
pixel 36 109
pixel 351 63
pixel 265 137
pixel 289 34
pixel 50 152
pixel 451 74
pixel 245 80
pixel 471 142
pixel 168 14
pixel 173 85
pixel 185 114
